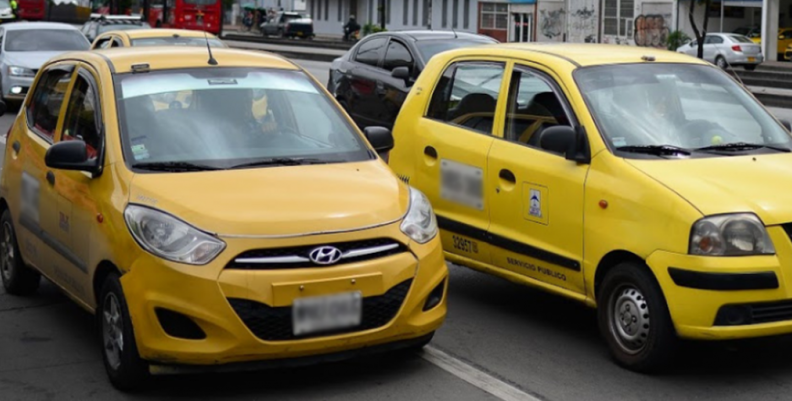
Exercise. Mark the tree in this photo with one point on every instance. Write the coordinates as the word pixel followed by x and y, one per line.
pixel 703 33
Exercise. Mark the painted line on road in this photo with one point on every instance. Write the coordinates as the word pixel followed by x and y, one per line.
pixel 475 376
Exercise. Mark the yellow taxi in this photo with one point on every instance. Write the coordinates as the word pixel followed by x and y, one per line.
pixel 155 37
pixel 644 183
pixel 202 237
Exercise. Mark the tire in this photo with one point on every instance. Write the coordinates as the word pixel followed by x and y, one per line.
pixel 125 369
pixel 721 62
pixel 648 343
pixel 18 279
pixel 750 67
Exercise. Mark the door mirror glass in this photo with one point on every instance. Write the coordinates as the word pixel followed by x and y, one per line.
pixel 402 73
pixel 381 139
pixel 566 141
pixel 70 155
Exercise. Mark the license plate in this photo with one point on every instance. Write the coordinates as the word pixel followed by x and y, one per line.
pixel 751 59
pixel 332 312
pixel 299 33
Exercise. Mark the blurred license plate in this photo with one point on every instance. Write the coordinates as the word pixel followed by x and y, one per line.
pixel 751 59
pixel 324 313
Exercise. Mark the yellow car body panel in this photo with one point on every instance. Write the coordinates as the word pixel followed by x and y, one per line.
pixel 272 208
pixel 594 213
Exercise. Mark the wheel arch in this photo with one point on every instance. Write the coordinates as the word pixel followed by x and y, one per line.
pixel 104 269
pixel 611 260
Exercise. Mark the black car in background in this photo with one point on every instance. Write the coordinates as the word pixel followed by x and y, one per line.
pixel 287 24
pixel 372 80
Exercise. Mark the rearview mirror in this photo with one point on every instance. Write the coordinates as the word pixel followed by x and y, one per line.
pixel 70 155
pixel 567 141
pixel 402 73
pixel 381 139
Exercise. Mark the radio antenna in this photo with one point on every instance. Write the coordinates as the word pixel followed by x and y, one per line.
pixel 212 60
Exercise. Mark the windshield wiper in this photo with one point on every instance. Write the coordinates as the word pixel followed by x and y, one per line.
pixel 174 166
pixel 655 149
pixel 737 146
pixel 283 161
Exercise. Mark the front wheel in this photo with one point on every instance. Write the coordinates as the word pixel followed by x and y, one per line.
pixel 126 370
pixel 18 279
pixel 634 319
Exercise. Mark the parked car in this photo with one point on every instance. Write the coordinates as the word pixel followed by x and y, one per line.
pixel 288 24
pixel 26 46
pixel 156 37
pixel 101 23
pixel 373 78
pixel 642 182
pixel 755 34
pixel 206 237
pixel 788 53
pixel 6 13
pixel 727 50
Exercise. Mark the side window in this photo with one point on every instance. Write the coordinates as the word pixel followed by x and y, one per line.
pixel 103 43
pixel 713 40
pixel 81 117
pixel 533 106
pixel 397 55
pixel 370 52
pixel 117 42
pixel 45 105
pixel 467 95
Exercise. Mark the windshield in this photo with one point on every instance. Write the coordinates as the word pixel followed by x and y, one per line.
pixel 229 117
pixel 176 41
pixel 683 105
pixel 4 4
pixel 201 2
pixel 38 40
pixel 121 27
pixel 429 48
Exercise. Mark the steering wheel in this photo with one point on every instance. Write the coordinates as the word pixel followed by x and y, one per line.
pixel 706 133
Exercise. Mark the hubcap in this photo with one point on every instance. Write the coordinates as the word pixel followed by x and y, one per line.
pixel 721 63
pixel 112 331
pixel 6 252
pixel 629 319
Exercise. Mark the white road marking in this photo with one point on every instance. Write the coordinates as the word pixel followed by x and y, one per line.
pixel 474 376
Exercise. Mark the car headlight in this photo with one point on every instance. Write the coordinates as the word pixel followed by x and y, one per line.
pixel 420 223
pixel 736 234
pixel 5 11
pixel 170 238
pixel 21 72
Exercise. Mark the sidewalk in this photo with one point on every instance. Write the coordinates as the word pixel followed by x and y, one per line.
pixel 290 50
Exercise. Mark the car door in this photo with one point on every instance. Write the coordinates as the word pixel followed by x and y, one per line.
pixel 451 146
pixel 536 207
pixel 393 91
pixel 363 94
pixel 74 189
pixel 40 216
pixel 712 49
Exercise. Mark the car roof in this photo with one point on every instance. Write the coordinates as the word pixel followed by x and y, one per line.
pixel 161 33
pixel 418 35
pixel 581 54
pixel 20 26
pixel 122 59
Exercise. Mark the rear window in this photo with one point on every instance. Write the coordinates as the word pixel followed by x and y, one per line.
pixel 176 41
pixel 38 40
pixel 740 39
pixel 428 48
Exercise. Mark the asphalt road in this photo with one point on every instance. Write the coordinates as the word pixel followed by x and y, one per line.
pixel 514 341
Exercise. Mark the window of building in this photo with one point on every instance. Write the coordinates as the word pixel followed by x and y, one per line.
pixel 494 16
pixel 444 20
pixel 467 95
pixel 466 14
pixel 618 17
pixel 415 12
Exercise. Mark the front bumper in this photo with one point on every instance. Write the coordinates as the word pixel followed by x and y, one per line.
pixel 204 294
pixel 719 298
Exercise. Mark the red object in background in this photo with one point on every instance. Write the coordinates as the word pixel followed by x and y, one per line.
pixel 31 10
pixel 197 15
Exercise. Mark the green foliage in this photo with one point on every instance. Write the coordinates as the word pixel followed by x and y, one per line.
pixel 370 28
pixel 676 39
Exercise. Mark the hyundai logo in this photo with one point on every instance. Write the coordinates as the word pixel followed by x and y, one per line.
pixel 325 255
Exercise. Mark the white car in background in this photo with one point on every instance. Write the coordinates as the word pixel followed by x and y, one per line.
pixel 727 50
pixel 26 46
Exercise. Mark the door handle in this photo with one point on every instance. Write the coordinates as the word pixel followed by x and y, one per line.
pixel 16 146
pixel 51 177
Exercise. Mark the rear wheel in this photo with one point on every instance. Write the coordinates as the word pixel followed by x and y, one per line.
pixel 126 370
pixel 18 279
pixel 634 319
pixel 721 62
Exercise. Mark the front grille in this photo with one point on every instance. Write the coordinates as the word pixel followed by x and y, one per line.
pixel 757 313
pixel 275 324
pixel 297 257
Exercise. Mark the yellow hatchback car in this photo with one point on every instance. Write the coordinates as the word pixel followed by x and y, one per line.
pixel 155 37
pixel 201 236
pixel 642 182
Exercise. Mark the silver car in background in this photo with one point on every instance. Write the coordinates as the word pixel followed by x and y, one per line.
pixel 26 46
pixel 727 50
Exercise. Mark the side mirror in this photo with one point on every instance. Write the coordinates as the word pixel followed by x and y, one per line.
pixel 567 141
pixel 381 139
pixel 70 155
pixel 402 73
pixel 785 123
pixel 3 108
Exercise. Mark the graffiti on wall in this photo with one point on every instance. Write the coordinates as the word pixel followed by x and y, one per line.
pixel 651 27
pixel 551 22
pixel 583 24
